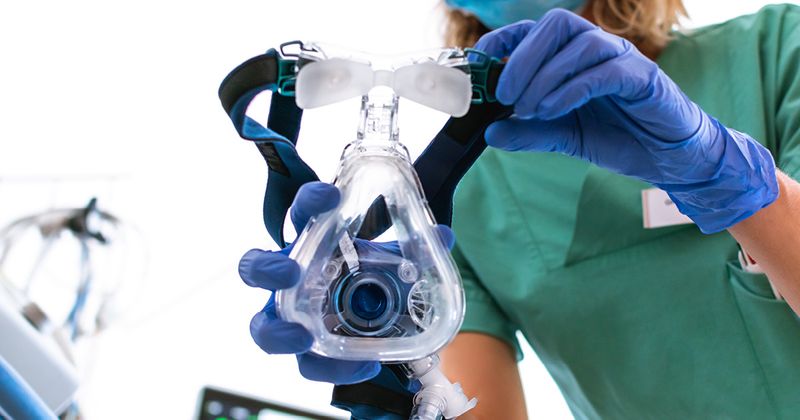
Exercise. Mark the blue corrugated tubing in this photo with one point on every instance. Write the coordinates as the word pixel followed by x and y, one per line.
pixel 17 399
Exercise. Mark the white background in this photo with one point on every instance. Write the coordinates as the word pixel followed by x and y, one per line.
pixel 118 100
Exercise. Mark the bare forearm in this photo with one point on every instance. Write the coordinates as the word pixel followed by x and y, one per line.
pixel 487 369
pixel 772 238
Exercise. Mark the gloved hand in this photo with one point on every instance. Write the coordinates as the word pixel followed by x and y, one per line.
pixel 586 93
pixel 275 270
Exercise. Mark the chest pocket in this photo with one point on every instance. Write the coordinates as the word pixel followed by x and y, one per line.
pixel 609 217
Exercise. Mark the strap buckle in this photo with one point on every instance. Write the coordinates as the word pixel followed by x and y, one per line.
pixel 484 72
pixel 287 68
pixel 287 76
pixel 293 56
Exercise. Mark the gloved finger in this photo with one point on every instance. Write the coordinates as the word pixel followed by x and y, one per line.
pixel 556 28
pixel 312 199
pixel 612 77
pixel 339 372
pixel 268 270
pixel 275 336
pixel 584 51
pixel 447 235
pixel 514 134
pixel 500 42
pixel 647 95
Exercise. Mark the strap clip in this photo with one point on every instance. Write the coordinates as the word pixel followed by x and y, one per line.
pixel 287 76
pixel 484 72
pixel 287 66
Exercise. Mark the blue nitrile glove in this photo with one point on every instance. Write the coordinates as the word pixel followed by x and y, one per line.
pixel 275 270
pixel 586 93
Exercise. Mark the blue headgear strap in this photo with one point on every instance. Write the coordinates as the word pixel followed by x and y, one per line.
pixel 276 142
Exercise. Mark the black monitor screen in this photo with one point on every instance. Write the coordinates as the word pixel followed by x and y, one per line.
pixel 216 404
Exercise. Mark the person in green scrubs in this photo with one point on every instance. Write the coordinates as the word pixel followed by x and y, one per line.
pixel 633 322
pixel 619 123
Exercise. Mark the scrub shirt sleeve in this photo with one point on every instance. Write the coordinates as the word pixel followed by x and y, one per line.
pixel 483 315
pixel 787 121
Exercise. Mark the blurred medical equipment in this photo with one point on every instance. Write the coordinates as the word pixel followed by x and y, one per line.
pixel 47 301
pixel 359 301
pixel 218 404
pixel 36 380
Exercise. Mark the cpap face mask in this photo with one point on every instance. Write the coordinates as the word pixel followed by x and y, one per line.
pixel 359 300
pixel 399 302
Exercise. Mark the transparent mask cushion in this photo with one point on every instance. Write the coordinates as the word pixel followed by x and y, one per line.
pixel 367 301
pixel 442 88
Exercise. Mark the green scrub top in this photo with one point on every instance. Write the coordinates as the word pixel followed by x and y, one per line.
pixel 637 323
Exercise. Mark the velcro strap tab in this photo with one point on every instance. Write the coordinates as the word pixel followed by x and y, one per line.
pixel 259 71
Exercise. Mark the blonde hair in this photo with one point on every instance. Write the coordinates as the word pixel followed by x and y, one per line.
pixel 646 23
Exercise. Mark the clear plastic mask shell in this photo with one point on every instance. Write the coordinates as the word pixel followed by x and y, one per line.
pixel 361 301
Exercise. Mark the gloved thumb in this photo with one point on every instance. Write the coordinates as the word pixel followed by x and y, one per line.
pixel 501 42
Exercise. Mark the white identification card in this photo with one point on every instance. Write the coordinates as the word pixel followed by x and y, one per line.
pixel 660 211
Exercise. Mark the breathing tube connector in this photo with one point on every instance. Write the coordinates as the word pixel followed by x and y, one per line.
pixel 438 398
pixel 429 407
